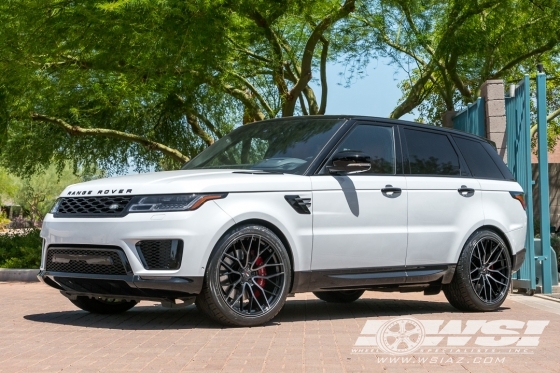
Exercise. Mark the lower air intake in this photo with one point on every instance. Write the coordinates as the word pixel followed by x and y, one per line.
pixel 160 254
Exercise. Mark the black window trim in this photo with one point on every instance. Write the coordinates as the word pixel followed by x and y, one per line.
pixel 320 169
pixel 464 171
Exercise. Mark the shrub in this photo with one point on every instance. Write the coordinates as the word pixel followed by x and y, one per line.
pixel 21 250
pixel 4 221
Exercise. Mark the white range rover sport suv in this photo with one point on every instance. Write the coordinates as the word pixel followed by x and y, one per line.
pixel 331 205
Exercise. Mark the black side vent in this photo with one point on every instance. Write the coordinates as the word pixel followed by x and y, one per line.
pixel 301 205
pixel 160 254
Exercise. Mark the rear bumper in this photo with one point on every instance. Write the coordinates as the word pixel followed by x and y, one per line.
pixel 517 260
pixel 126 287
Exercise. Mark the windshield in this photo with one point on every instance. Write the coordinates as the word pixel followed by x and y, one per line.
pixel 280 146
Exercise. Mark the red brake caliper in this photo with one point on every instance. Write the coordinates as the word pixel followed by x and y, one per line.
pixel 261 272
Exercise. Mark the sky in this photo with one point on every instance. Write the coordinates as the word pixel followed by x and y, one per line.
pixel 376 94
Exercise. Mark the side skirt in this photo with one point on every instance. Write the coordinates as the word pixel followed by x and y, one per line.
pixel 412 278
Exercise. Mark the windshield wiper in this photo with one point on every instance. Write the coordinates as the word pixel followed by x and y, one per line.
pixel 261 172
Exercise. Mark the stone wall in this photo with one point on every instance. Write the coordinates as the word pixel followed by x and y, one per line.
pixel 494 100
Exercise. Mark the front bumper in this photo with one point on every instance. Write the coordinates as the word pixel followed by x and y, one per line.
pixel 132 287
pixel 199 230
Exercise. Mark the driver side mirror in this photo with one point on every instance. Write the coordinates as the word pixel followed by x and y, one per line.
pixel 350 162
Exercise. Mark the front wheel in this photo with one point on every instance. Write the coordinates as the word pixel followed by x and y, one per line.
pixel 342 296
pixel 103 305
pixel 247 279
pixel 482 276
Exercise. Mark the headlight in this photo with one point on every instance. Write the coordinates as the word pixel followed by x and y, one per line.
pixel 172 202
pixel 55 206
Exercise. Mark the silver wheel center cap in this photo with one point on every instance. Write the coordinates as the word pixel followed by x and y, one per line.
pixel 246 275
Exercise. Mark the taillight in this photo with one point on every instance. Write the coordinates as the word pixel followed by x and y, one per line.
pixel 520 196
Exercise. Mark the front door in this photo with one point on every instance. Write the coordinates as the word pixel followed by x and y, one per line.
pixel 360 220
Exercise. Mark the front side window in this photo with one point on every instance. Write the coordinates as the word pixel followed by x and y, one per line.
pixel 375 141
pixel 431 153
pixel 281 146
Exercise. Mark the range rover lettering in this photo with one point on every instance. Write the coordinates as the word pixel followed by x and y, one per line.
pixel 330 205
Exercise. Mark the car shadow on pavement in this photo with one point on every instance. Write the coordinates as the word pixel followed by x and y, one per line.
pixel 156 317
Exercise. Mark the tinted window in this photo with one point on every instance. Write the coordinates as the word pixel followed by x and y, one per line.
pixel 431 153
pixel 498 161
pixel 479 161
pixel 287 146
pixel 375 141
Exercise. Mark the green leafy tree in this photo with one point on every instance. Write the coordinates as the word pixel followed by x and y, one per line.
pixel 103 83
pixel 37 194
pixel 449 48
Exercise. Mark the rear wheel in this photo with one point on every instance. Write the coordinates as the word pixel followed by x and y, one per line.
pixel 482 276
pixel 247 278
pixel 103 305
pixel 342 296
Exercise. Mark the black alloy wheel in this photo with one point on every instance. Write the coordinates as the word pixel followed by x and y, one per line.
pixel 483 274
pixel 247 279
pixel 490 269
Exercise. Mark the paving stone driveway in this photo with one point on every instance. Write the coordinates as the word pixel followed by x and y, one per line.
pixel 40 331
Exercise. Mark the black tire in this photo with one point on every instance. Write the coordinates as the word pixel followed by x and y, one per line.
pixel 103 306
pixel 342 296
pixel 483 274
pixel 250 264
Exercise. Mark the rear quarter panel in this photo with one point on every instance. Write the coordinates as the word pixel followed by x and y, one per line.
pixel 503 211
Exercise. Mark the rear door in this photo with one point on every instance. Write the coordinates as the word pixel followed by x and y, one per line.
pixel 496 183
pixel 444 201
pixel 359 220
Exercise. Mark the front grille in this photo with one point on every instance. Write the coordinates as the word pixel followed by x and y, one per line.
pixel 162 254
pixel 87 261
pixel 107 206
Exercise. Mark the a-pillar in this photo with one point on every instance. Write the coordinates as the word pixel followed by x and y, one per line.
pixel 494 101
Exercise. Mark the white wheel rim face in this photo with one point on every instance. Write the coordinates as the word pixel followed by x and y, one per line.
pixel 489 270
pixel 251 275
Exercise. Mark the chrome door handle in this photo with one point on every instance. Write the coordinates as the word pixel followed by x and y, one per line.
pixel 465 192
pixel 391 192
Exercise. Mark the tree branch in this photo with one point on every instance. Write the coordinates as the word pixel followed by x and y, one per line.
pixel 195 125
pixel 302 104
pixel 323 67
pixel 278 70
pixel 308 52
pixel 104 132
pixel 256 93
pixel 414 97
pixel 543 48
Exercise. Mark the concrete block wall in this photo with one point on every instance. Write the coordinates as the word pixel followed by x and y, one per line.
pixel 494 100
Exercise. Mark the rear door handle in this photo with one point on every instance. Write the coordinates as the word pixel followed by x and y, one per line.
pixel 465 192
pixel 391 192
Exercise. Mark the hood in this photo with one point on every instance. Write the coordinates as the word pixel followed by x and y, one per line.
pixel 190 181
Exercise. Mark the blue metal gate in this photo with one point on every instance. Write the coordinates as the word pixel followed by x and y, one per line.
pixel 518 128
pixel 472 118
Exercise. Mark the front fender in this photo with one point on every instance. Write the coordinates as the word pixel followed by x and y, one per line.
pixel 273 208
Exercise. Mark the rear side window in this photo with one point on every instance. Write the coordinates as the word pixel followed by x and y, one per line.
pixel 498 161
pixel 479 161
pixel 431 153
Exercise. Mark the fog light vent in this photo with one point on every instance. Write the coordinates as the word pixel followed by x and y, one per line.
pixel 160 254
